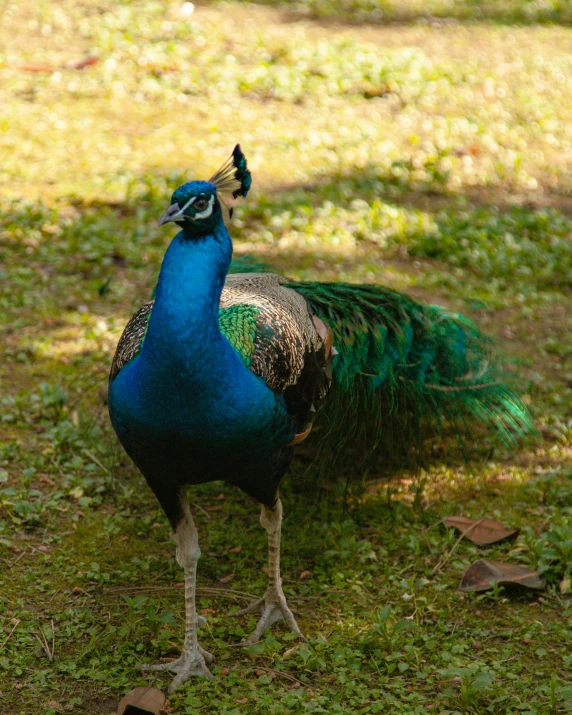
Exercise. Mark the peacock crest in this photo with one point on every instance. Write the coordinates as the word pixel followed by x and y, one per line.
pixel 233 177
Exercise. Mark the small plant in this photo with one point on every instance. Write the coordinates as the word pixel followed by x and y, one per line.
pixel 550 552
pixel 391 633
pixel 473 682
pixel 346 546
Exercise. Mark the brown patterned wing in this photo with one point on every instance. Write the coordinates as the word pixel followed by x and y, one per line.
pixel 291 352
pixel 130 342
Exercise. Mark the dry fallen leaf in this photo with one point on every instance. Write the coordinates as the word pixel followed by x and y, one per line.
pixel 481 576
pixel 481 531
pixel 236 550
pixel 226 579
pixel 82 64
pixel 142 701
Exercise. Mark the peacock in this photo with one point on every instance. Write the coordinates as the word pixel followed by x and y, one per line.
pixel 222 374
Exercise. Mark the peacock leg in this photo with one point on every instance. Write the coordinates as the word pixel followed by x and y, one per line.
pixel 193 658
pixel 273 605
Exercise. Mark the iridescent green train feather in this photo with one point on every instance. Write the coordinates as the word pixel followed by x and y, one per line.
pixel 404 368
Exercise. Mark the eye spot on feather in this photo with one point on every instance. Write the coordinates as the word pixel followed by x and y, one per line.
pixel 360 320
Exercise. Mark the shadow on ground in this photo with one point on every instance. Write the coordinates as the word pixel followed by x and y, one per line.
pixel 378 12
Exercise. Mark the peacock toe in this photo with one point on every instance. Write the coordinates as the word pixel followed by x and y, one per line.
pixel 188 665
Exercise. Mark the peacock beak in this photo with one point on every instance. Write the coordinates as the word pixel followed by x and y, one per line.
pixel 170 214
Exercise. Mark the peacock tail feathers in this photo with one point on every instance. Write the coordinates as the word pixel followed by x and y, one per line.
pixel 404 367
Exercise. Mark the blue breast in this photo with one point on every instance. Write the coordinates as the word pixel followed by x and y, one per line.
pixel 187 407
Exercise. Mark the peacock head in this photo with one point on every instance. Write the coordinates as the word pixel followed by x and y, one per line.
pixel 196 206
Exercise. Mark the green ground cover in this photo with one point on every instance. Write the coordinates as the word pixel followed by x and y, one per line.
pixel 425 146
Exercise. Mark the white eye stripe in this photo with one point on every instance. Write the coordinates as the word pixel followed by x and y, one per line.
pixel 208 211
pixel 180 212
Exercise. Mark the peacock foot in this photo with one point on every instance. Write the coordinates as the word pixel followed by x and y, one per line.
pixel 273 607
pixel 193 662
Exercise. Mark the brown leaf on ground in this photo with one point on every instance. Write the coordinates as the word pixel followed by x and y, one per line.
pixel 481 531
pixel 82 64
pixel 481 576
pixel 226 579
pixel 236 550
pixel 142 701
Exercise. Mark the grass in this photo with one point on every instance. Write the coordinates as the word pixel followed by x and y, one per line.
pixel 423 146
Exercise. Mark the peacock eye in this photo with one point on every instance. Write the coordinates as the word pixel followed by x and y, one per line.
pixel 201 203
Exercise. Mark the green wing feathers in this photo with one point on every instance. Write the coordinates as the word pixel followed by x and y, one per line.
pixel 403 367
pixel 238 324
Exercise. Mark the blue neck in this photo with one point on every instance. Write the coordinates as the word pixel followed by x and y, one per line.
pixel 183 336
pixel 188 380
